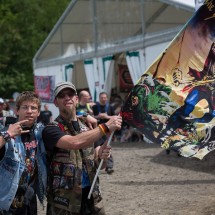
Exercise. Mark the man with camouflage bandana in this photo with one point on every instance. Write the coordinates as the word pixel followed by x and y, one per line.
pixel 73 159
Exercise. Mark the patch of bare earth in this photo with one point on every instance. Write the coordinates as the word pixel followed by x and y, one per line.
pixel 147 181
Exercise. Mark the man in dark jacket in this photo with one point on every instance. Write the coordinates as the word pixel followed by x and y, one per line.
pixel 103 112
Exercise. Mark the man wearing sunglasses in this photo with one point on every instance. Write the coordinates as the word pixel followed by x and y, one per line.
pixel 73 157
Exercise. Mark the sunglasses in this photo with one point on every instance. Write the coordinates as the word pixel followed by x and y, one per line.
pixel 64 94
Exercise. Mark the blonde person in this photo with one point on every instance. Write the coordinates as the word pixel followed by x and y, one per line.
pixel 23 159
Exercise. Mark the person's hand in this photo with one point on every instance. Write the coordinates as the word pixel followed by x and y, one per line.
pixel 104 151
pixel 16 128
pixel 103 116
pixel 91 122
pixel 114 123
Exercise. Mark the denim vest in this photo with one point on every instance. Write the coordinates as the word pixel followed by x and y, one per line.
pixel 13 165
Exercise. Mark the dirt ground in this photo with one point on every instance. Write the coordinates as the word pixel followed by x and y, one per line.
pixel 147 181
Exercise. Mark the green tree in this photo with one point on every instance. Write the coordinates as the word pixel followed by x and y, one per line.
pixel 24 25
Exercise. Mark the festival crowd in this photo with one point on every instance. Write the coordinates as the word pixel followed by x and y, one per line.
pixel 55 159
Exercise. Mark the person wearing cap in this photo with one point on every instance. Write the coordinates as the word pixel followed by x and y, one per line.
pixel 23 172
pixel 73 157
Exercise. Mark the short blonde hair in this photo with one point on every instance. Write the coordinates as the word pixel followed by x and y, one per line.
pixel 28 96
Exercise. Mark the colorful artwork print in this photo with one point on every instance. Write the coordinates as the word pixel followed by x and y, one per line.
pixel 173 103
pixel 44 86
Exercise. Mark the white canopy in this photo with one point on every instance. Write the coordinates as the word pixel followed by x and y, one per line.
pixel 95 28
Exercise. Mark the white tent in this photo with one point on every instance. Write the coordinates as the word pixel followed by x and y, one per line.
pixel 90 31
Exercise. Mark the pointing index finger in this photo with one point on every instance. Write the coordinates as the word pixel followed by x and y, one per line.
pixel 23 121
pixel 25 131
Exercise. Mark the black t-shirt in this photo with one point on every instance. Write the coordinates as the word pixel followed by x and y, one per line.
pixel 80 109
pixel 51 134
pixel 30 143
pixel 45 117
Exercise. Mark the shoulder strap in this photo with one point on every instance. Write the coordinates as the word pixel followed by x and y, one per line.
pixel 61 126
pixel 59 122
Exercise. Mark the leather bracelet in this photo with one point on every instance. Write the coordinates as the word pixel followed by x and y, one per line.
pixel 106 128
pixel 11 135
pixel 6 136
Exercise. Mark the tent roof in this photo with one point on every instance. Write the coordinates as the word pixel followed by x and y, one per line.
pixel 91 28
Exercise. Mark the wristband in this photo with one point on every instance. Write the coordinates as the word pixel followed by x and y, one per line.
pixel 106 128
pixel 11 135
pixel 102 130
pixel 6 136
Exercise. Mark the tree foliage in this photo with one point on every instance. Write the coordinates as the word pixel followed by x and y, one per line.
pixel 24 25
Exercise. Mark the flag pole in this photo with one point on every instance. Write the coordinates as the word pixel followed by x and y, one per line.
pixel 99 167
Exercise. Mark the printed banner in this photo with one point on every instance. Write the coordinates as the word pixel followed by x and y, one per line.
pixel 173 103
pixel 44 87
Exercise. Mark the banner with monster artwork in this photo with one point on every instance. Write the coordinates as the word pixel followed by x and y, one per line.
pixel 173 103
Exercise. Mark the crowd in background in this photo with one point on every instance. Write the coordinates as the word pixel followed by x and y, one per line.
pixel 126 134
pixel 115 103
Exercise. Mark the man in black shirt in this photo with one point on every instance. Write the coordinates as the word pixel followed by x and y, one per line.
pixel 73 157
pixel 103 112
pixel 45 115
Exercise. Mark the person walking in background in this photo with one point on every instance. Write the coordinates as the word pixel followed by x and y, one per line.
pixel 45 115
pixel 73 158
pixel 23 160
pixel 83 105
pixel 103 112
